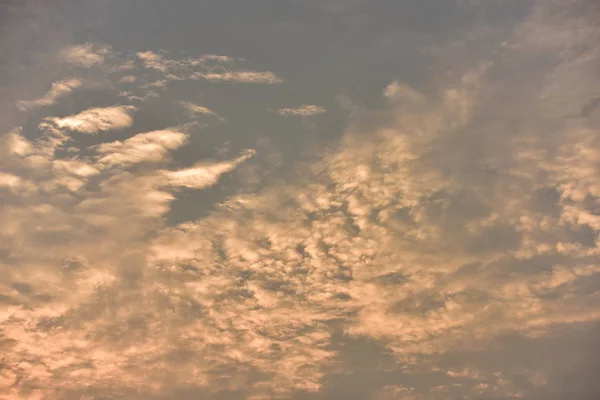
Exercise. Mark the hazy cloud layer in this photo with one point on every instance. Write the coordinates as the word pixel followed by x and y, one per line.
pixel 446 247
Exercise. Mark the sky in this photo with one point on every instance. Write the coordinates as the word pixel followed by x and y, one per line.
pixel 299 199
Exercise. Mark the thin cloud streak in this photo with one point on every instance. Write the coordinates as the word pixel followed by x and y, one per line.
pixel 303 111
pixel 194 110
pixel 239 77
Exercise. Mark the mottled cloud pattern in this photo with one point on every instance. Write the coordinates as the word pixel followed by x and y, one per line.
pixel 453 233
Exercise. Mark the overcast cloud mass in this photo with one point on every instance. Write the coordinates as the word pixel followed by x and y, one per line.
pixel 300 199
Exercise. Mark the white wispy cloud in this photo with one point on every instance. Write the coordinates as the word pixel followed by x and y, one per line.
pixel 97 119
pixel 242 76
pixel 216 57
pixel 304 110
pixel 195 110
pixel 143 147
pixel 58 90
pixel 202 175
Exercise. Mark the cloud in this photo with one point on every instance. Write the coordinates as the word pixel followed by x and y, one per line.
pixel 77 233
pixel 15 144
pixel 9 181
pixel 144 147
pixel 155 61
pixel 156 84
pixel 210 66
pixel 396 392
pixel 218 58
pixel 243 76
pixel 58 90
pixel 195 109
pixel 303 110
pixel 85 55
pixel 128 79
pixel 202 175
pixel 94 120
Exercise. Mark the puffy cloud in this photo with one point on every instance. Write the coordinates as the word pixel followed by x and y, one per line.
pixel 14 143
pixel 85 55
pixel 9 180
pixel 156 61
pixel 303 110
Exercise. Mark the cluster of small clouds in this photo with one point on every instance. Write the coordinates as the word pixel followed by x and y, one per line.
pixel 435 229
pixel 126 72
pixel 211 67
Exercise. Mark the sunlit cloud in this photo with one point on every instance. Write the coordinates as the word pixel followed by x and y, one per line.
pixel 58 90
pixel 143 147
pixel 303 111
pixel 154 61
pixel 444 235
pixel 208 67
pixel 239 77
pixel 128 79
pixel 85 55
pixel 195 110
pixel 202 175
pixel 96 119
